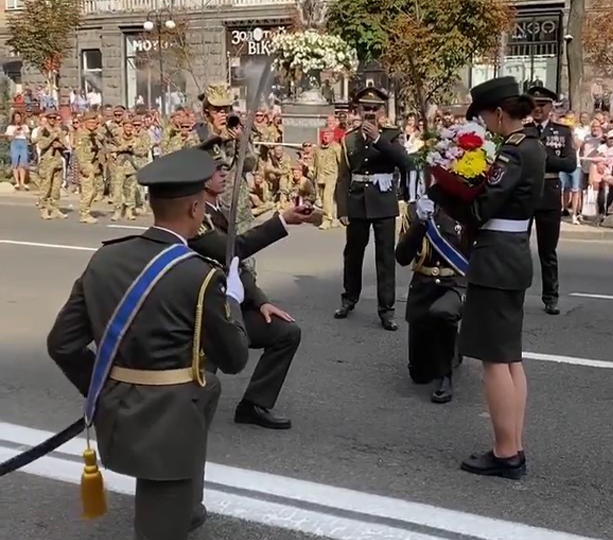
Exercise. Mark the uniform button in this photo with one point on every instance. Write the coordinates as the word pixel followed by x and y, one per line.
pixel 366 147
pixel 475 243
pixel 438 263
pixel 437 281
pixel 365 159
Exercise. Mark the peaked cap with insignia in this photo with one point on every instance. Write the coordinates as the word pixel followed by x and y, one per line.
pixel 490 94
pixel 542 94
pixel 217 95
pixel 371 96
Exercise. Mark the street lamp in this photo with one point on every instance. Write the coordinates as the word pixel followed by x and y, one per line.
pixel 158 21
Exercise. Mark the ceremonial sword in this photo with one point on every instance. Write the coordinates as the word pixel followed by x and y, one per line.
pixel 242 154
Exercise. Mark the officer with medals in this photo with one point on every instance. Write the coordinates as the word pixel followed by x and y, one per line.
pixel 366 196
pixel 157 313
pixel 268 327
pixel 500 268
pixel 561 157
pixel 436 245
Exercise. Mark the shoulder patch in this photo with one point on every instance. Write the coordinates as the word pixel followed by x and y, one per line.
pixel 497 170
pixel 119 240
pixel 515 139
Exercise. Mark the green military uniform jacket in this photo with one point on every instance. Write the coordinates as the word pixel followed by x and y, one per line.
pixel 89 152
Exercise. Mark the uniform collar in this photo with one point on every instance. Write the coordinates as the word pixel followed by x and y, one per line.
pixel 164 235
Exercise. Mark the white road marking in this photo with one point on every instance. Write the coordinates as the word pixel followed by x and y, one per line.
pixel 319 509
pixel 589 295
pixel 39 244
pixel 587 362
pixel 136 227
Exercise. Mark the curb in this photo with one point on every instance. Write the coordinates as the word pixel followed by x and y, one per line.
pixel 596 234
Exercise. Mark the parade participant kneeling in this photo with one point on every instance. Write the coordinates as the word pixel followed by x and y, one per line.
pixel 146 302
pixel 436 245
pixel 268 327
pixel 500 267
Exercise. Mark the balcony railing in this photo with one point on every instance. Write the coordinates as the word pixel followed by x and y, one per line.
pixel 128 6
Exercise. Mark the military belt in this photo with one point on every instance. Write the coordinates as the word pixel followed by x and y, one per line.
pixel 435 271
pixel 552 176
pixel 507 225
pixel 372 178
pixel 149 377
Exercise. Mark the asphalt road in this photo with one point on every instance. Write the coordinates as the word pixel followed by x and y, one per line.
pixel 358 422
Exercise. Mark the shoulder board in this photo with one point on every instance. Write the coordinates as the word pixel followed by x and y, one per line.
pixel 351 130
pixel 391 127
pixel 119 240
pixel 503 158
pixel 212 262
pixel 559 124
pixel 515 139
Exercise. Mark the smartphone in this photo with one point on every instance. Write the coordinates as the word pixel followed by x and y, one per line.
pixel 370 117
pixel 299 202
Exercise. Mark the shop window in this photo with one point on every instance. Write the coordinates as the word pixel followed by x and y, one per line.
pixel 91 70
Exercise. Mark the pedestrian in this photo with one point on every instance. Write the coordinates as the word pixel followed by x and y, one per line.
pixel 561 158
pixel 327 160
pixel 367 197
pixel 18 134
pixel 51 166
pixel 500 267
pixel 437 246
pixel 153 411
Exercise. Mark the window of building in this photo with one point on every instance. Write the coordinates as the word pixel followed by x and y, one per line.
pixel 91 70
pixel 13 5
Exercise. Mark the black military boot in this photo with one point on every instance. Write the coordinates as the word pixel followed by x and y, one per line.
pixel 343 311
pixel 443 391
pixel 552 308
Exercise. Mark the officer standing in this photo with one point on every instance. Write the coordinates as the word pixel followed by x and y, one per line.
pixel 561 157
pixel 366 197
pixel 500 268
pixel 436 244
pixel 155 408
pixel 89 152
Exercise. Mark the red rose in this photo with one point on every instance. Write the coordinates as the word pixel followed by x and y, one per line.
pixel 470 141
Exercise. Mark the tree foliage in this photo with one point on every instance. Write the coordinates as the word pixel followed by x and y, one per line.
pixel 42 32
pixel 598 36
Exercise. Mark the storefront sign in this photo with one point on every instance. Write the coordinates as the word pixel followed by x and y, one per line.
pixel 251 41
pixel 148 45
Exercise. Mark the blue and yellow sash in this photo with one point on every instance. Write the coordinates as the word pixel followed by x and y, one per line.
pixel 123 316
pixel 456 259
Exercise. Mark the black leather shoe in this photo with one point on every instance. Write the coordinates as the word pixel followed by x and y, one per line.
pixel 443 391
pixel 552 309
pixel 389 325
pixel 522 459
pixel 249 413
pixel 343 311
pixel 489 465
pixel 198 518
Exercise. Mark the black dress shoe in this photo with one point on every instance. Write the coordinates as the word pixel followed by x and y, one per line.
pixel 552 309
pixel 443 391
pixel 389 325
pixel 489 465
pixel 198 518
pixel 249 413
pixel 343 311
pixel 522 460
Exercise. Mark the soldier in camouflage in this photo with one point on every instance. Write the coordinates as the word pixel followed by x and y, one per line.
pixel 218 122
pixel 50 169
pixel 89 152
pixel 111 130
pixel 147 144
pixel 326 166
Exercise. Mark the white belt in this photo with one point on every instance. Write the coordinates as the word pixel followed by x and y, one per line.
pixel 507 225
pixel 374 178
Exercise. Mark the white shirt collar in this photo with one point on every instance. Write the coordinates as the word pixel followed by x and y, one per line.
pixel 183 240
pixel 213 206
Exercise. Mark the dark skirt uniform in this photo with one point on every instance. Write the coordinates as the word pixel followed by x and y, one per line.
pixel 561 157
pixel 434 302
pixel 366 194
pixel 500 265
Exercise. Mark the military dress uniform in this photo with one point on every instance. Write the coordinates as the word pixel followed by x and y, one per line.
pixel 366 195
pixel 153 415
pixel 559 142
pixel 434 302
pixel 50 168
pixel 279 339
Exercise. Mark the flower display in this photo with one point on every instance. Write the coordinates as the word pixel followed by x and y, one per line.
pixel 460 157
pixel 310 51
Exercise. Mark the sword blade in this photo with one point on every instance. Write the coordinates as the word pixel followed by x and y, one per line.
pixel 242 154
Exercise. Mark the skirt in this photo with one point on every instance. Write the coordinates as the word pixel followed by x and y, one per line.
pixel 492 325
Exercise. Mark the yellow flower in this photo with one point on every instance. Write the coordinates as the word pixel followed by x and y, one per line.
pixel 471 164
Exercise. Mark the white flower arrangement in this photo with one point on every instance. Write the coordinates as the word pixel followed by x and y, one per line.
pixel 311 51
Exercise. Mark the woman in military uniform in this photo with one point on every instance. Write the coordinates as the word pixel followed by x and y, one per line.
pixel 500 268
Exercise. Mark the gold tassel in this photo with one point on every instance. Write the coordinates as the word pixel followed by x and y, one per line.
pixel 92 487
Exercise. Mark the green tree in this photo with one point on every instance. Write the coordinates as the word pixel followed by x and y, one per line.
pixel 42 34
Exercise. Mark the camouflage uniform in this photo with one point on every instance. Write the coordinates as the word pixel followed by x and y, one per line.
pixel 278 174
pixel 89 153
pixel 175 139
pixel 50 170
pixel 327 161
pixel 144 143
pixel 302 188
pixel 112 132
pixel 261 199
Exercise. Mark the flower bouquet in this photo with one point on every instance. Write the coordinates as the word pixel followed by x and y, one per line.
pixel 459 158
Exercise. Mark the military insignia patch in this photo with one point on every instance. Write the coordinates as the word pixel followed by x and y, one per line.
pixel 496 172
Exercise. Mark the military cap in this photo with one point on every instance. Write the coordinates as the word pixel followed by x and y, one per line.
pixel 217 95
pixel 542 94
pixel 490 94
pixel 89 115
pixel 178 174
pixel 371 96
pixel 119 108
pixel 52 113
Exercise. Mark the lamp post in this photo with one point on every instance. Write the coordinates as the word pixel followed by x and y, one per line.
pixel 158 21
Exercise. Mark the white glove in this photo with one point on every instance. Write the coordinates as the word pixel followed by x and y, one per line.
pixel 235 287
pixel 384 184
pixel 424 208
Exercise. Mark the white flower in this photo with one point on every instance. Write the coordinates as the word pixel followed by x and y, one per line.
pixel 490 149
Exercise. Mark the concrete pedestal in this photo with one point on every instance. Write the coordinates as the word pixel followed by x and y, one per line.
pixel 303 122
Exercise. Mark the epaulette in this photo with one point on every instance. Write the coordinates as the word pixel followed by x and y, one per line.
pixel 119 240
pixel 515 139
pixel 351 130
